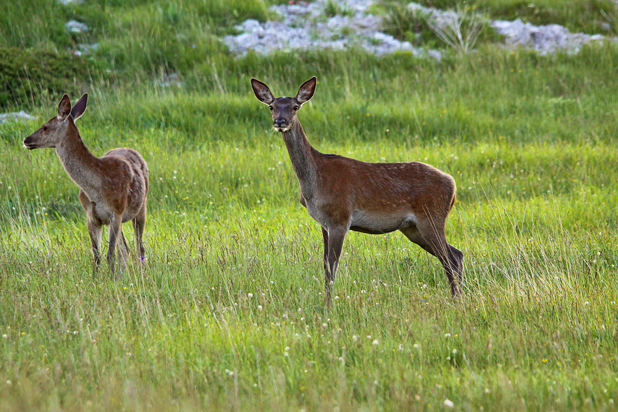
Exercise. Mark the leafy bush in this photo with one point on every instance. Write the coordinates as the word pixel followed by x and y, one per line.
pixel 333 9
pixel 222 14
pixel 29 75
pixel 407 24
pixel 412 25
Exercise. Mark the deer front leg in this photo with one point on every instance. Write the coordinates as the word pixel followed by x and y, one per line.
pixel 94 230
pixel 456 258
pixel 333 248
pixel 115 231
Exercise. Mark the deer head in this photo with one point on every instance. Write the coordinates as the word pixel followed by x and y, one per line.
pixel 283 109
pixel 54 131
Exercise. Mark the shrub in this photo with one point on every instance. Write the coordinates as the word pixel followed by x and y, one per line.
pixel 30 75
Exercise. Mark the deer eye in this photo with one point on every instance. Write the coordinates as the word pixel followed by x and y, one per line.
pixel 296 107
pixel 270 107
pixel 44 128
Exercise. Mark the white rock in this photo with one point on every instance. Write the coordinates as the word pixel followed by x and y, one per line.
pixel 435 54
pixel 168 80
pixel 303 27
pixel 21 115
pixel 380 36
pixel 74 26
pixel 250 25
pixel 544 39
pixel 86 48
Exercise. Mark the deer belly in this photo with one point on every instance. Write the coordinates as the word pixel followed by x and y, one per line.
pixel 105 214
pixel 377 223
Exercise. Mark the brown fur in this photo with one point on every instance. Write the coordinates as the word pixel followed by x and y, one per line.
pixel 113 187
pixel 344 194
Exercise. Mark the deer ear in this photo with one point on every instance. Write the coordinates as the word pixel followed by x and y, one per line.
pixel 80 107
pixel 64 108
pixel 306 90
pixel 262 92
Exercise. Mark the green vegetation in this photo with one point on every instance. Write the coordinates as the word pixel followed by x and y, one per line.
pixel 412 25
pixel 333 8
pixel 588 16
pixel 137 40
pixel 228 314
pixel 35 74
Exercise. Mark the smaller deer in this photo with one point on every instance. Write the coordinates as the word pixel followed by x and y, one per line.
pixel 344 194
pixel 113 187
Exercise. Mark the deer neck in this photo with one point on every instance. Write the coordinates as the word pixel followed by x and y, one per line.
pixel 302 156
pixel 79 162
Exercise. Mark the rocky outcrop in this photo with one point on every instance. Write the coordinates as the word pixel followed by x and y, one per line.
pixel 307 26
pixel 21 115
pixel 544 39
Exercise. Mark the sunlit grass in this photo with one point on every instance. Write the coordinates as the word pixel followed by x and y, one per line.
pixel 229 312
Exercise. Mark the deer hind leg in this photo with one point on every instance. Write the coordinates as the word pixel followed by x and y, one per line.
pixel 431 237
pixel 94 230
pixel 123 251
pixel 325 237
pixel 115 232
pixel 139 222
pixel 333 244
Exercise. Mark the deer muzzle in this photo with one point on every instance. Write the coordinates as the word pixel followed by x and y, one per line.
pixel 29 143
pixel 281 124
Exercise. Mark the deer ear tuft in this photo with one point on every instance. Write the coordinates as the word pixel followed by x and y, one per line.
pixel 64 108
pixel 262 92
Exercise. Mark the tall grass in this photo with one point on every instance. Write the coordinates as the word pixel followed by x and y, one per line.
pixel 229 314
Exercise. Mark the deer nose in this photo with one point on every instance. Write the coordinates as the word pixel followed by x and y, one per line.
pixel 280 121
pixel 28 143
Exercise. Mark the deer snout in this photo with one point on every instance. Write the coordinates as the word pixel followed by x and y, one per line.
pixel 29 143
pixel 280 122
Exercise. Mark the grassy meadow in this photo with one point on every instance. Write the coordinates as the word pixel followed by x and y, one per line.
pixel 229 312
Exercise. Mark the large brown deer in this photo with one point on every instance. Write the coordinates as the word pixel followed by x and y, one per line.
pixel 344 194
pixel 113 187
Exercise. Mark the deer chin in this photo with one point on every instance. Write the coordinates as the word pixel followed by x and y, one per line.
pixel 282 129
